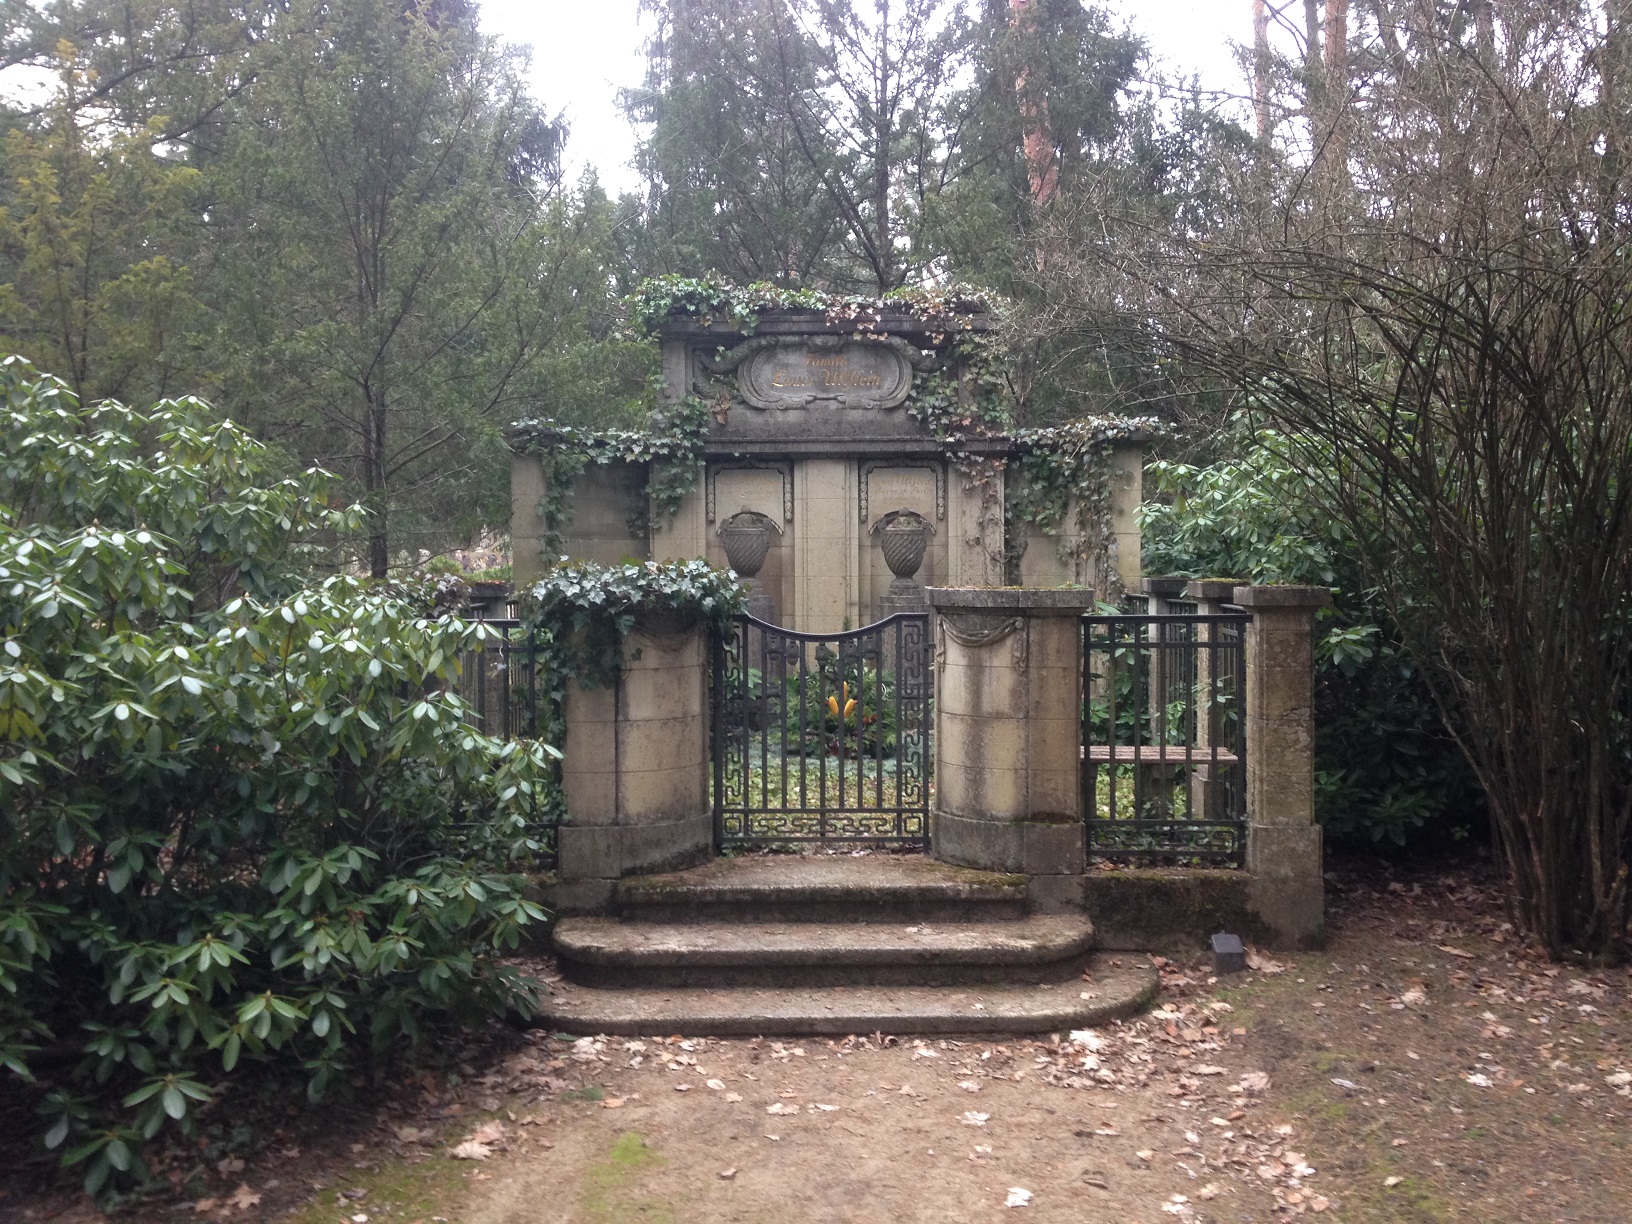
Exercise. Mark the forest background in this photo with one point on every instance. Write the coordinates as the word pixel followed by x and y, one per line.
pixel 1384 310
pixel 345 224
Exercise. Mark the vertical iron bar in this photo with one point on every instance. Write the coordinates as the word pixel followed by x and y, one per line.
pixel 716 653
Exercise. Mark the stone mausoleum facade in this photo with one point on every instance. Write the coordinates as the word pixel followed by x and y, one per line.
pixel 829 473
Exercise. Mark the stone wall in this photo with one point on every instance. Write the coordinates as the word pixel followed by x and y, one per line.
pixel 1066 558
pixel 635 767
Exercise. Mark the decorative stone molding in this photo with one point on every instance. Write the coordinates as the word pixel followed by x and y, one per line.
pixel 782 372
pixel 976 632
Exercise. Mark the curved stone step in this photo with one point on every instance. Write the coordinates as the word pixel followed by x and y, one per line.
pixel 822 888
pixel 1114 992
pixel 607 952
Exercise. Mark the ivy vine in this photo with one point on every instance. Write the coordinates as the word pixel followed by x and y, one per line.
pixel 662 298
pixel 963 400
pixel 578 615
pixel 672 444
pixel 1055 468
pixel 581 612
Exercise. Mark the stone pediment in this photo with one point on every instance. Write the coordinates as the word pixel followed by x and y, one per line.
pixel 808 382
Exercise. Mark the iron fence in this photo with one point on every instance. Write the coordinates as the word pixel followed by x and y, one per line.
pixel 822 736
pixel 499 682
pixel 1164 736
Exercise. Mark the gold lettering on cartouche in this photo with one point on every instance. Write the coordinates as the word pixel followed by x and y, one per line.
pixel 829 373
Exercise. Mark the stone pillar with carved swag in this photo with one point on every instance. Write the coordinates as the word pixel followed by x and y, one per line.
pixel 635 767
pixel 1284 849
pixel 1008 735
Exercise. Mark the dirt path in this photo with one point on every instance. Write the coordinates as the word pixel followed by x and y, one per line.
pixel 768 1131
pixel 1421 1068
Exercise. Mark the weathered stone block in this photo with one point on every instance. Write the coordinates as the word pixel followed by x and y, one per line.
pixel 1288 889
pixel 1057 894
pixel 611 851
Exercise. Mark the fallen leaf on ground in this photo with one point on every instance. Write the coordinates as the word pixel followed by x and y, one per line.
pixel 1446 948
pixel 1263 964
pixel 471 1150
pixel 612 1103
pixel 244 1198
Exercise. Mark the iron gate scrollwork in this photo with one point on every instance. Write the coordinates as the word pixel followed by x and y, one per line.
pixel 823 736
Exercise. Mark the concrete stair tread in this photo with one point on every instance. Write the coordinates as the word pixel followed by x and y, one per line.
pixel 1115 992
pixel 832 888
pixel 1036 939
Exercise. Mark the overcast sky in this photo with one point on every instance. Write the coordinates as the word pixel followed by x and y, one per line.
pixel 584 53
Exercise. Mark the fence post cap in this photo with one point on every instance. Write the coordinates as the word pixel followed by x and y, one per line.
pixel 1310 597
pixel 1215 590
pixel 1010 599
pixel 1163 586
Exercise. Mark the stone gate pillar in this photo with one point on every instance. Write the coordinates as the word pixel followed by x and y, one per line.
pixel 1284 850
pixel 1008 735
pixel 635 764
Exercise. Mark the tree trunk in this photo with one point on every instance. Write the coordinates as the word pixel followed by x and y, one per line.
pixel 379 555
pixel 1335 87
pixel 1260 70
pixel 1042 169
pixel 881 154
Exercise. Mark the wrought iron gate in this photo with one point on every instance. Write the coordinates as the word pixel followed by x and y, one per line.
pixel 1164 736
pixel 823 736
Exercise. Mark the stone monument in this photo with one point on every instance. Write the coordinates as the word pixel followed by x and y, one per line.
pixel 822 481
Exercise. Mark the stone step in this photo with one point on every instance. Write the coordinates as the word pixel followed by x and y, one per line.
pixel 1114 992
pixel 607 952
pixel 823 888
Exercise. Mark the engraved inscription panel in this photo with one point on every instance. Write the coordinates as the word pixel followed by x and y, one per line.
pixel 900 489
pixel 757 489
pixel 848 375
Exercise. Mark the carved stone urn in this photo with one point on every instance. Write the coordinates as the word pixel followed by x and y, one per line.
pixel 746 538
pixel 903 538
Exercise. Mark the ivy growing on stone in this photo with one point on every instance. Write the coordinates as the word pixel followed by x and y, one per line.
pixel 582 612
pixel 1069 465
pixel 963 400
pixel 662 298
pixel 672 444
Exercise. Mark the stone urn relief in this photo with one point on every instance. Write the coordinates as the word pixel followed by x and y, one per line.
pixel 903 538
pixel 747 537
